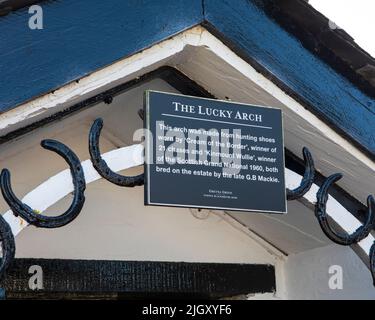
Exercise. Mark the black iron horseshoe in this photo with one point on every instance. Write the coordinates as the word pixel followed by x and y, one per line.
pixel 7 245
pixel 372 262
pixel 101 166
pixel 308 177
pixel 320 212
pixel 32 217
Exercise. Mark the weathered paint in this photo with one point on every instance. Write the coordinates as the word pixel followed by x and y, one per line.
pixel 79 37
pixel 260 40
pixel 132 278
pixel 92 36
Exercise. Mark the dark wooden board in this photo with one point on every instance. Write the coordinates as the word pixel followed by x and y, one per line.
pixel 136 279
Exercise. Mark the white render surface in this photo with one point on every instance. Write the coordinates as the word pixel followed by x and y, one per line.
pixel 307 275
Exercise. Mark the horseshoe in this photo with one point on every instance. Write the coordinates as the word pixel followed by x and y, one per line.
pixel 31 216
pixel 372 262
pixel 320 212
pixel 101 166
pixel 308 177
pixel 8 246
pixel 141 114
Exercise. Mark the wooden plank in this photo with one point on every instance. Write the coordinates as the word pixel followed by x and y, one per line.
pixel 79 37
pixel 90 278
pixel 258 39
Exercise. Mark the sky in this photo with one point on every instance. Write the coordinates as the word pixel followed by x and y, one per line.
pixel 356 17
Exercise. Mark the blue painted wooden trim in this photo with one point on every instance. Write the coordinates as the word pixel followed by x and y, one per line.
pixel 81 36
pixel 258 38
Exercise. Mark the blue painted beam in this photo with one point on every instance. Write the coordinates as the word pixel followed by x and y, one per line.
pixel 259 39
pixel 81 36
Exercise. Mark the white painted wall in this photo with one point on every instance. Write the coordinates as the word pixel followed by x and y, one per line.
pixel 307 275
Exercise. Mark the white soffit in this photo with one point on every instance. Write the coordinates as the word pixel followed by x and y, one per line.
pixel 206 60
